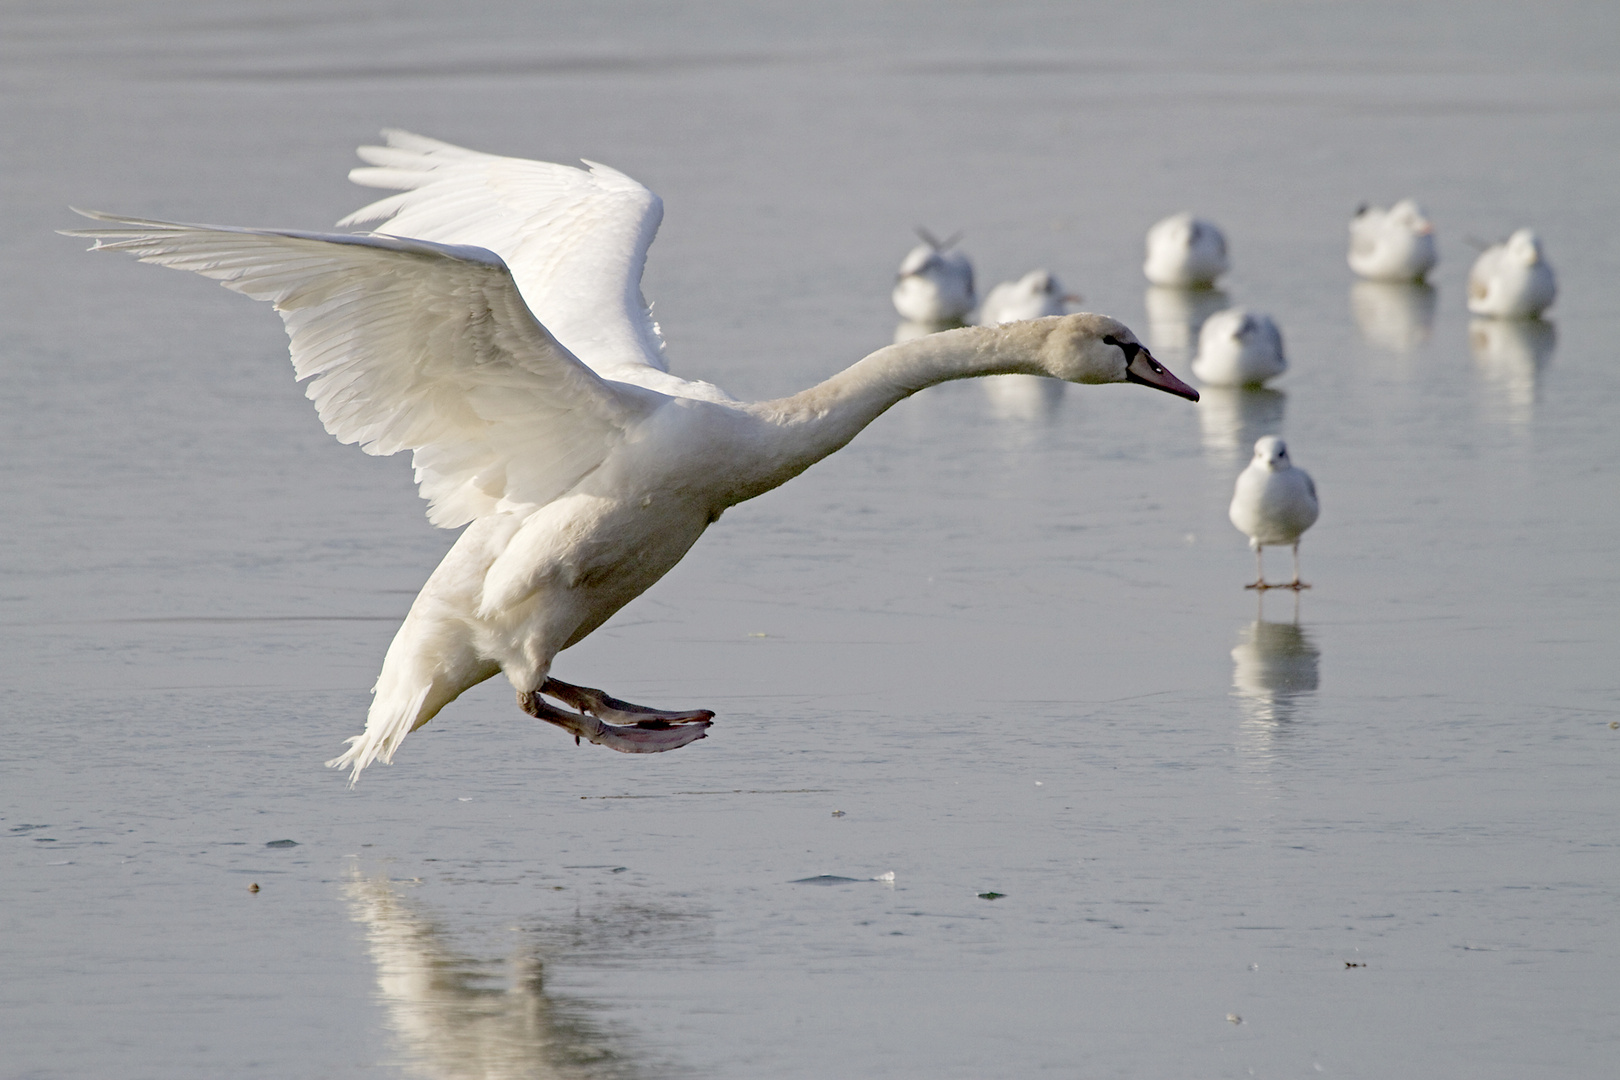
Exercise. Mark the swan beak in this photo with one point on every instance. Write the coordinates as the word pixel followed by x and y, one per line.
pixel 1149 372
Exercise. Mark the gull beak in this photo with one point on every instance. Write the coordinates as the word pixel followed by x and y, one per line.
pixel 1149 372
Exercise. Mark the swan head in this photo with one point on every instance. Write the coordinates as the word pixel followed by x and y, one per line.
pixel 1086 348
pixel 1271 454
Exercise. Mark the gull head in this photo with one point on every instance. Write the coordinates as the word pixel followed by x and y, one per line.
pixel 1271 453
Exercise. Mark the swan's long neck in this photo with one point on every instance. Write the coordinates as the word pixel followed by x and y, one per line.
pixel 804 428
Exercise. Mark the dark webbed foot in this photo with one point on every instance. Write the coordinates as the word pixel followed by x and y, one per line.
pixel 611 709
pixel 647 731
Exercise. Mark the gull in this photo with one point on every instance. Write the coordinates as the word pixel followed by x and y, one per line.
pixel 1034 296
pixel 497 330
pixel 1239 347
pixel 1185 252
pixel 1396 244
pixel 934 286
pixel 1512 280
pixel 1273 503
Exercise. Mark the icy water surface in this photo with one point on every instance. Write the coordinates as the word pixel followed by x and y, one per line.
pixel 1139 822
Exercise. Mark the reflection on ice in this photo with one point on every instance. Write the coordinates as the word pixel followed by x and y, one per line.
pixel 460 1017
pixel 1176 315
pixel 1023 397
pixel 1273 668
pixel 1393 315
pixel 1511 354
pixel 1234 418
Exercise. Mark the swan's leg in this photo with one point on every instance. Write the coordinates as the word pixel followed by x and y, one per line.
pixel 600 705
pixel 654 738
pixel 1297 584
pixel 1259 570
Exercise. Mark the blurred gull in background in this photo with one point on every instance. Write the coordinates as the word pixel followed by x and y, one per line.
pixel 934 286
pixel 1239 347
pixel 1036 295
pixel 1185 252
pixel 1396 244
pixel 1512 280
pixel 1176 315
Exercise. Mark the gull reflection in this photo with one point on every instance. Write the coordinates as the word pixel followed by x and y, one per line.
pixel 1274 668
pixel 1233 418
pixel 1023 397
pixel 464 1018
pixel 1176 315
pixel 1511 354
pixel 1393 315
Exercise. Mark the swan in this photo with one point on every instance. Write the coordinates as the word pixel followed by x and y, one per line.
pixel 498 332
pixel 934 286
pixel 1185 252
pixel 1034 296
pixel 1512 280
pixel 1396 244
pixel 1239 347
pixel 1273 503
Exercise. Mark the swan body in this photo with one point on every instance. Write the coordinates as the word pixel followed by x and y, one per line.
pixel 1396 244
pixel 506 344
pixel 1272 504
pixel 1034 296
pixel 1185 252
pixel 1239 347
pixel 934 286
pixel 1512 280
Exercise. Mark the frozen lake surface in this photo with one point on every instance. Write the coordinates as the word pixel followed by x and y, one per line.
pixel 995 646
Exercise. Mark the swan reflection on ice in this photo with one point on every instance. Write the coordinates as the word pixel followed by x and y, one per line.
pixel 459 1017
pixel 1393 315
pixel 1176 315
pixel 1233 419
pixel 1511 354
pixel 1274 667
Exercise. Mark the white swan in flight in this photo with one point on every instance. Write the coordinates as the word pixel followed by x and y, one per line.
pixel 507 345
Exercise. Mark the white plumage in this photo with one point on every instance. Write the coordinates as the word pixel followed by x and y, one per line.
pixel 1272 504
pixel 1185 252
pixel 1034 296
pixel 1239 347
pixel 934 286
pixel 507 346
pixel 1396 244
pixel 1512 280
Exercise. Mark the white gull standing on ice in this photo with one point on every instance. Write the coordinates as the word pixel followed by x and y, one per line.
pixel 1272 504
pixel 508 346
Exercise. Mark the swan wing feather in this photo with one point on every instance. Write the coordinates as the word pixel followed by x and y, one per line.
pixel 576 240
pixel 407 344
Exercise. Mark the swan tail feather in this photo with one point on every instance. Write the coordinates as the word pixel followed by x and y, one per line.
pixel 387 724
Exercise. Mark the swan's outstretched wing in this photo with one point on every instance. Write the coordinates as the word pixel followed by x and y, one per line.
pixel 419 346
pixel 575 240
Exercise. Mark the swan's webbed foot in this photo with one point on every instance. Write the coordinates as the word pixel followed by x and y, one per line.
pixel 611 709
pixel 650 731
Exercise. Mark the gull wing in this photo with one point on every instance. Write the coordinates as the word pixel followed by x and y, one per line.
pixel 576 240
pixel 414 345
